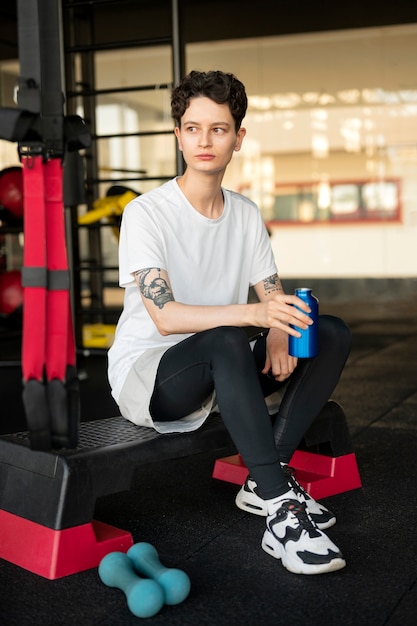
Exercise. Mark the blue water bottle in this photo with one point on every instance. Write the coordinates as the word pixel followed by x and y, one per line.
pixel 308 344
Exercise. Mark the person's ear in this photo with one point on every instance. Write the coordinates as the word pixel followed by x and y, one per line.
pixel 177 132
pixel 240 135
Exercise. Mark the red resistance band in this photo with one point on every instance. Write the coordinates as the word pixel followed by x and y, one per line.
pixel 50 391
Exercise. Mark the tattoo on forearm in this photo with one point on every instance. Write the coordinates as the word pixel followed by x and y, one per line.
pixel 154 287
pixel 272 283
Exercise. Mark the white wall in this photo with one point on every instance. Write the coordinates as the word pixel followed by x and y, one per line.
pixel 374 67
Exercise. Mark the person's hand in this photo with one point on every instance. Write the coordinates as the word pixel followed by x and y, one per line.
pixel 278 364
pixel 280 311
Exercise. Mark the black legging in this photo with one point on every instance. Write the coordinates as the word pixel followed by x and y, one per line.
pixel 221 359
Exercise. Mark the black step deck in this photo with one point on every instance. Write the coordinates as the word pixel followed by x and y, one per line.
pixel 58 489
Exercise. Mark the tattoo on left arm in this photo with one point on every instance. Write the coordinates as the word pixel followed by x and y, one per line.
pixel 271 284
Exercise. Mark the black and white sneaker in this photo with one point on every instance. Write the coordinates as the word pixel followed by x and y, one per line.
pixel 293 537
pixel 248 499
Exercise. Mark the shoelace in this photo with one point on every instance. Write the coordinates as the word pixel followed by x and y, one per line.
pixel 290 474
pixel 299 509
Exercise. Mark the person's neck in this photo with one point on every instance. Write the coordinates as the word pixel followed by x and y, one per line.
pixel 204 193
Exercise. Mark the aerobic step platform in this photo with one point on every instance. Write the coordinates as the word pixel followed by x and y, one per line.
pixel 325 463
pixel 47 499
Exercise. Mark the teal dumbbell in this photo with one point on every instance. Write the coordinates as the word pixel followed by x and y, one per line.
pixel 174 582
pixel 145 597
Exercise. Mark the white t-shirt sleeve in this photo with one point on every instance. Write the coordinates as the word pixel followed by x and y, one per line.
pixel 139 245
pixel 264 264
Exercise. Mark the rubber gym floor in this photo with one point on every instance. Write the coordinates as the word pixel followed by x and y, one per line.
pixel 191 518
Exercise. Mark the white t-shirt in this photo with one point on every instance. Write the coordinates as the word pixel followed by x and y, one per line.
pixel 208 261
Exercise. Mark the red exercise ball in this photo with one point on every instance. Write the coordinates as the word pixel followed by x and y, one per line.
pixel 11 292
pixel 11 190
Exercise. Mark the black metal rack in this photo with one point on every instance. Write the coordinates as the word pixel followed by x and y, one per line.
pixel 81 44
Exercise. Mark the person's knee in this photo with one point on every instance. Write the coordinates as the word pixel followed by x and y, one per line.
pixel 228 335
pixel 230 340
pixel 335 331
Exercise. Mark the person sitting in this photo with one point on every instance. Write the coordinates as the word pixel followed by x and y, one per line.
pixel 189 251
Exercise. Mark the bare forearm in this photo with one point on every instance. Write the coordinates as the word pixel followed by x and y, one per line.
pixel 176 317
pixel 172 317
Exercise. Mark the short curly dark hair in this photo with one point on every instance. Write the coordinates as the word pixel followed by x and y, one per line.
pixel 220 87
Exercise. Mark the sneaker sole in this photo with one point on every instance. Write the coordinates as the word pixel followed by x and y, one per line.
pixel 325 525
pixel 272 547
pixel 250 504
